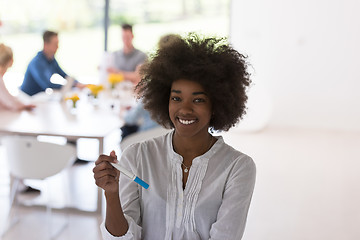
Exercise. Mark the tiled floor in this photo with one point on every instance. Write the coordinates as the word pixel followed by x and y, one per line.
pixel 307 189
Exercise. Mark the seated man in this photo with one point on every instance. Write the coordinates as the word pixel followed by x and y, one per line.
pixel 43 66
pixel 126 60
pixel 137 118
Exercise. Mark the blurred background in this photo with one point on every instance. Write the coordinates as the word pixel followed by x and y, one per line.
pixel 303 123
pixel 81 27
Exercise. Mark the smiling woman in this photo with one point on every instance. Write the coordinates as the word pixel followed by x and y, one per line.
pixel 212 63
pixel 200 187
pixel 189 108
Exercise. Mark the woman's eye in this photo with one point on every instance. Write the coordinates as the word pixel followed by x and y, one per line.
pixel 199 100
pixel 176 99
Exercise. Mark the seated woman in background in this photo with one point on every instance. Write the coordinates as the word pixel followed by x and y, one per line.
pixel 8 101
pixel 137 119
pixel 200 187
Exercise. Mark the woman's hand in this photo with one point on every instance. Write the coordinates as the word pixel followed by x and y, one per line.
pixel 105 175
pixel 28 107
pixel 112 70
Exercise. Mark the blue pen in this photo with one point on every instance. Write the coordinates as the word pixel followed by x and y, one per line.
pixel 131 175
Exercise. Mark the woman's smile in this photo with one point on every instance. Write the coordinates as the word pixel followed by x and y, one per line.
pixel 186 122
pixel 189 108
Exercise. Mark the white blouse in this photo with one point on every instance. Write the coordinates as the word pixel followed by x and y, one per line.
pixel 8 101
pixel 213 205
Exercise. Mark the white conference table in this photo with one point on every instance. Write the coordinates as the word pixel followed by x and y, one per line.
pixel 54 118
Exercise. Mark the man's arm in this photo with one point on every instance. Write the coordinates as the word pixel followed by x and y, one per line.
pixel 41 75
pixel 134 77
pixel 59 70
pixel 64 75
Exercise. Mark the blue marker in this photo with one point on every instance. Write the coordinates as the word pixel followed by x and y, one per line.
pixel 131 175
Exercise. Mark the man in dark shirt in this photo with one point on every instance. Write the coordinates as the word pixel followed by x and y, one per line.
pixel 43 66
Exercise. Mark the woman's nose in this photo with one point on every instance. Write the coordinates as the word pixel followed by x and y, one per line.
pixel 186 108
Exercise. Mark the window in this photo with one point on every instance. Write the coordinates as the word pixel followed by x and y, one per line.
pixel 80 25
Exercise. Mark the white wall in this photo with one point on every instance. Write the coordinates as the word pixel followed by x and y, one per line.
pixel 305 54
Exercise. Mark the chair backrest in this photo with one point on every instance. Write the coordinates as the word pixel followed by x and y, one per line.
pixel 142 136
pixel 29 158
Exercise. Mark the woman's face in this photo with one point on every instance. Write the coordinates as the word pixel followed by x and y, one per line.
pixel 7 65
pixel 189 108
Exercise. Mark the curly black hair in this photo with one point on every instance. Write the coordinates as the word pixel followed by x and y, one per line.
pixel 209 61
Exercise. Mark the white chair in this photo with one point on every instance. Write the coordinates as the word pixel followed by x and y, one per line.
pixel 142 136
pixel 29 158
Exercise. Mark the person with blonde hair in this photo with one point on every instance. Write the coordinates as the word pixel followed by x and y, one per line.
pixel 8 101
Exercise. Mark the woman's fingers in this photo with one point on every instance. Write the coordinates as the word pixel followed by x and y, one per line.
pixel 106 158
pixel 113 154
pixel 105 175
pixel 106 178
pixel 103 169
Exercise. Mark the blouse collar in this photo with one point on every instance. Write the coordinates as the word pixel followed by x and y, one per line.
pixel 177 157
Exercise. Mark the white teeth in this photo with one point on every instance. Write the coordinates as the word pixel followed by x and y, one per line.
pixel 186 122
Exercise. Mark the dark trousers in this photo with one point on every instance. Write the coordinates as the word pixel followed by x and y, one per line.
pixel 126 130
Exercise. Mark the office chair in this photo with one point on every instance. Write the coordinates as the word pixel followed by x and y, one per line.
pixel 29 158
